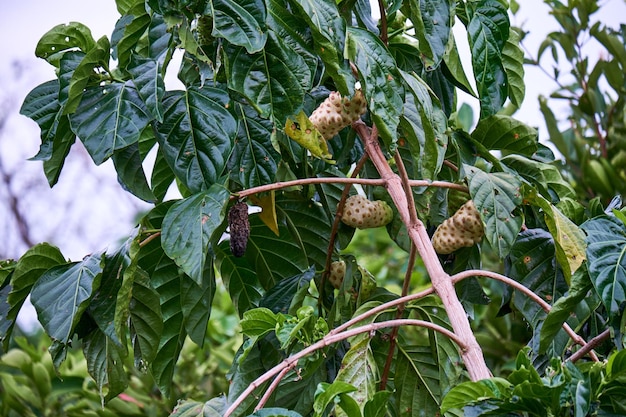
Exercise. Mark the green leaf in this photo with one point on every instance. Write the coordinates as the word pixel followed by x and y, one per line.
pixel 197 135
pixel 130 172
pixel 564 307
pixel 189 408
pixel 64 37
pixel 42 106
pixel 197 301
pixel 258 322
pixel 424 125
pixel 133 26
pixel 326 393
pixel 274 80
pixel 254 160
pixel 285 296
pixel 240 22
pixel 146 319
pixel 500 132
pixel 358 368
pixel 97 57
pixel 545 177
pixel 239 278
pixel 469 392
pixel 149 83
pixel 513 63
pixel 105 363
pixel 165 278
pixel 188 227
pixel 488 30
pixel 606 246
pixel 454 67
pixel 497 198
pixel 432 20
pixel 380 81
pixel 569 238
pixel 416 380
pixel 274 412
pixel 27 271
pixel 162 176
pixel 109 118
pixel 329 35
pixel 244 371
pixel 62 294
pixel 377 406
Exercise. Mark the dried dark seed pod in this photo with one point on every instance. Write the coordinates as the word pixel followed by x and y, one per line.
pixel 239 228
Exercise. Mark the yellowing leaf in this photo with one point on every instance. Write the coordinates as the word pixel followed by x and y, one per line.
pixel 305 134
pixel 267 203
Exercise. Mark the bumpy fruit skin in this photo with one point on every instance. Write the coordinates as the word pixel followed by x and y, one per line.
pixel 361 213
pixel 337 112
pixel 337 273
pixel 239 228
pixel 463 229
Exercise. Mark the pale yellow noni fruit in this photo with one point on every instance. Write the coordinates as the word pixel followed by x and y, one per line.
pixel 337 112
pixel 337 273
pixel 463 229
pixel 361 213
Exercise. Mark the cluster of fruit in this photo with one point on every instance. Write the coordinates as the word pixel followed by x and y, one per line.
pixel 337 112
pixel 463 229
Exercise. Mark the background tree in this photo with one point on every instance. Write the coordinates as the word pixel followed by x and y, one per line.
pixel 320 331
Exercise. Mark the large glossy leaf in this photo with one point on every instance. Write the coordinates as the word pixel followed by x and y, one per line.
pixel 240 22
pixel 42 106
pixel 30 267
pixel 86 71
pixel 165 278
pixel 62 294
pixel 196 301
pixel 497 197
pixel 239 278
pixel 468 392
pixel 254 160
pixel 416 375
pixel 565 307
pixel 188 227
pixel 197 135
pixel 273 80
pixel 329 35
pixel 545 177
pixel 359 369
pixel 501 132
pixel 147 77
pixel 532 263
pixel 130 173
pixel 488 30
pixel 109 117
pixel 146 319
pixel 432 21
pixel 380 80
pixel 424 125
pixel 72 36
pixel 105 363
pixel 513 62
pixel 131 28
pixel 606 246
pixel 281 297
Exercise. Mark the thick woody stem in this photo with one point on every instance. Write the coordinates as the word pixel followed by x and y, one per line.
pixel 442 284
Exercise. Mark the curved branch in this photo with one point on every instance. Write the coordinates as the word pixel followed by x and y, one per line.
pixel 526 291
pixel 340 180
pixel 590 345
pixel 329 339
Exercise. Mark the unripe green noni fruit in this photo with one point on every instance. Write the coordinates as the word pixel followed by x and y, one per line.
pixel 463 229
pixel 337 112
pixel 361 213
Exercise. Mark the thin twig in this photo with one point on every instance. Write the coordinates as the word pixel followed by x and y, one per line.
pixel 334 338
pixel 383 22
pixel 273 386
pixel 530 294
pixel 589 346
pixel 149 239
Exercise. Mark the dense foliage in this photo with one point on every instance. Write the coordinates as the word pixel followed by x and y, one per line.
pixel 251 72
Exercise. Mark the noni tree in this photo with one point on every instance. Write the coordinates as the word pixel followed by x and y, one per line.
pixel 297 123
